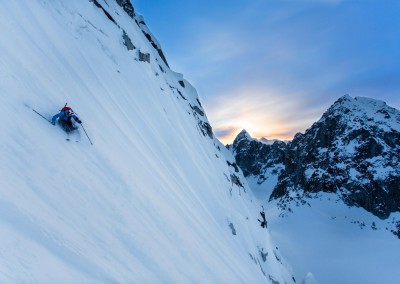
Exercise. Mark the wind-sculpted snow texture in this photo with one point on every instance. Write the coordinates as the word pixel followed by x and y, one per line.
pixel 156 199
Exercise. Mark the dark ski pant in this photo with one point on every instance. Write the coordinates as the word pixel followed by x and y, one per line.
pixel 66 125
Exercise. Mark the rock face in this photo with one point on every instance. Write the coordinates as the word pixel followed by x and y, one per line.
pixel 258 159
pixel 127 6
pixel 353 150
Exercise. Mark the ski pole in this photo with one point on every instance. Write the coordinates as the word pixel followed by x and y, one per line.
pixel 42 116
pixel 86 134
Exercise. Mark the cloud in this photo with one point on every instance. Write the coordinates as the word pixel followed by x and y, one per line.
pixel 214 42
pixel 262 112
pixel 226 134
pixel 274 67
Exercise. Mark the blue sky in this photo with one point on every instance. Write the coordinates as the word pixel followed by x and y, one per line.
pixel 273 67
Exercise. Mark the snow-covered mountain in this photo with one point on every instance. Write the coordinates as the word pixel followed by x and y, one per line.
pixel 353 150
pixel 341 179
pixel 155 199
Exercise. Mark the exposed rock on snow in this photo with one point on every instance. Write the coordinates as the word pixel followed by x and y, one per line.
pixel 127 6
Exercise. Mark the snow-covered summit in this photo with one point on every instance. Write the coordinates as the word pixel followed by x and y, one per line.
pixel 362 112
pixel 155 199
pixel 354 150
pixel 243 136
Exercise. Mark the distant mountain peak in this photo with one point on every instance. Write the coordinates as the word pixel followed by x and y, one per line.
pixel 354 150
pixel 243 135
pixel 362 112
pixel 359 103
pixel 270 141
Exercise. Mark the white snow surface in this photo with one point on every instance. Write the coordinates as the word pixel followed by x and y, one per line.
pixel 367 112
pixel 328 242
pixel 151 200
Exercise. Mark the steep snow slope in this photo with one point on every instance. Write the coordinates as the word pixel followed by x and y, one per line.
pixel 153 200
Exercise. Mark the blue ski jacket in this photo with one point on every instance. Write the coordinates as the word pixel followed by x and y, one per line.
pixel 63 115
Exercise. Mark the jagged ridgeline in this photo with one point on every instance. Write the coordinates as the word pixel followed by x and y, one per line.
pixel 353 150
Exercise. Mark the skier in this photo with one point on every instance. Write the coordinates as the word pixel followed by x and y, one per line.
pixel 65 119
pixel 263 223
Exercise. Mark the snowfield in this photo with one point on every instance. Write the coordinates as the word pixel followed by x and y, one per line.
pixel 330 242
pixel 152 201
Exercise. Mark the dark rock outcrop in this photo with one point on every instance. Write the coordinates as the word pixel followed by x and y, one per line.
pixel 97 4
pixel 127 41
pixel 256 158
pixel 145 57
pixel 127 6
pixel 156 47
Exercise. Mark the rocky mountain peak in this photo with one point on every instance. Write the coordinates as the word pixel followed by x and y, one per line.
pixel 243 135
pixel 362 111
pixel 353 150
pixel 258 159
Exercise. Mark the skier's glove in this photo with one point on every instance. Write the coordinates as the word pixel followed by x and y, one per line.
pixel 80 121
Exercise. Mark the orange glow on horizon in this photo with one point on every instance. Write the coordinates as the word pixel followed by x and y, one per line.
pixel 262 113
pixel 229 137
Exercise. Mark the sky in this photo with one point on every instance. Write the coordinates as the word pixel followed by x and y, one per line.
pixel 273 67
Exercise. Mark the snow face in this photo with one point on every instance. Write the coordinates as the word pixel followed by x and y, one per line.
pixel 152 200
pixel 329 242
